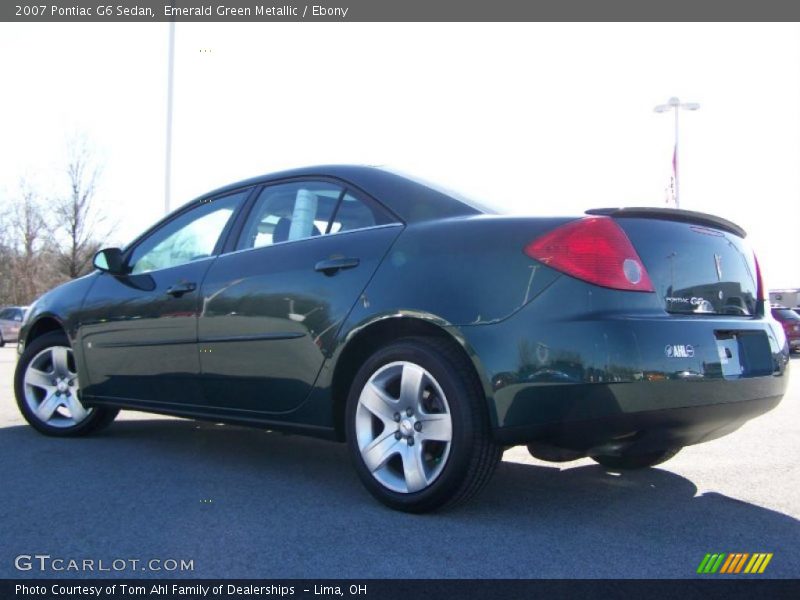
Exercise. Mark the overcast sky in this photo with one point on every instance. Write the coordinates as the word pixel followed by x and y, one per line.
pixel 538 118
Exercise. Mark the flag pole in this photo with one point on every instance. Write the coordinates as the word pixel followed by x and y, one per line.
pixel 676 105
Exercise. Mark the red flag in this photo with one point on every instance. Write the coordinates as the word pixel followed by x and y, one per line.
pixel 671 195
pixel 675 161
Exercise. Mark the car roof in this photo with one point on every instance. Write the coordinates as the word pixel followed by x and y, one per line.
pixel 411 200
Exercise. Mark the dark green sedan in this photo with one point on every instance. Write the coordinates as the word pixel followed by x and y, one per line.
pixel 424 330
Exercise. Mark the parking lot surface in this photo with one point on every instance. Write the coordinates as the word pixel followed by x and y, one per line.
pixel 252 504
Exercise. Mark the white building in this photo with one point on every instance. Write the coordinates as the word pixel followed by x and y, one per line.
pixel 788 297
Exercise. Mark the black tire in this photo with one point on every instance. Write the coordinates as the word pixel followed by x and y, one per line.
pixel 636 461
pixel 98 418
pixel 2 341
pixel 472 455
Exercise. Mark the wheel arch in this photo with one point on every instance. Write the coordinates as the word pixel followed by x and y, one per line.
pixel 45 323
pixel 364 340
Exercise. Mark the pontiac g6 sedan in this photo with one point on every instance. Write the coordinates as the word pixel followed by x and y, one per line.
pixel 424 330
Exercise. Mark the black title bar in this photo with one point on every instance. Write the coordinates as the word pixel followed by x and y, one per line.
pixel 399 10
pixel 397 589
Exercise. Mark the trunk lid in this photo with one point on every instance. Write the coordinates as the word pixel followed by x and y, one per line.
pixel 698 263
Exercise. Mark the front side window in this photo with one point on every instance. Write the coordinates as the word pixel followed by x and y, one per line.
pixel 294 211
pixel 190 236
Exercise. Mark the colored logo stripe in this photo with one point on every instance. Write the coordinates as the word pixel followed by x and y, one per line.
pixel 711 563
pixel 758 563
pixel 734 563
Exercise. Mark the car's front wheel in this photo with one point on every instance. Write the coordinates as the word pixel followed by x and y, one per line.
pixel 47 390
pixel 636 461
pixel 418 428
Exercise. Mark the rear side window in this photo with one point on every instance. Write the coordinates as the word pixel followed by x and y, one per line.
pixel 288 212
pixel 354 213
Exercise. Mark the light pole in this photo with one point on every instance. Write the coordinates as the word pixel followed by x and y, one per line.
pixel 676 105
pixel 170 81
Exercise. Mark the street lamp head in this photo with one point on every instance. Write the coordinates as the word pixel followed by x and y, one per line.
pixel 676 104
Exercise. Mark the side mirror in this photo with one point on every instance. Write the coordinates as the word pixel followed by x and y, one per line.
pixel 109 260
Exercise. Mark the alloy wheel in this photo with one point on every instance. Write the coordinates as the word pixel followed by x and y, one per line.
pixel 51 388
pixel 403 427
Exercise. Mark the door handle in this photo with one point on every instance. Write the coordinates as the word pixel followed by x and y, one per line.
pixel 179 289
pixel 331 266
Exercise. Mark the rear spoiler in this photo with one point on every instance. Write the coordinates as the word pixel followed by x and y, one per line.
pixel 671 214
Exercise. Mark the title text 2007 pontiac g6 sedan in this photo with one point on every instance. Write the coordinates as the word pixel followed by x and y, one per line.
pixel 422 329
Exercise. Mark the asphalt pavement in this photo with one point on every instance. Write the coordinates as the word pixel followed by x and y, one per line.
pixel 247 503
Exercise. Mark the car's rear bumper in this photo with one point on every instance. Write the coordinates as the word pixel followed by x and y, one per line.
pixel 557 370
pixel 719 408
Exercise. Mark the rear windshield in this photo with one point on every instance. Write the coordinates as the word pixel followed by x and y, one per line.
pixel 696 270
pixel 785 314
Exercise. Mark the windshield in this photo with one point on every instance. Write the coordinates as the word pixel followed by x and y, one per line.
pixel 785 314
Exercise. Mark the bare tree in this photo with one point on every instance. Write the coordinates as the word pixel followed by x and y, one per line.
pixel 41 248
pixel 28 249
pixel 77 221
pixel 6 254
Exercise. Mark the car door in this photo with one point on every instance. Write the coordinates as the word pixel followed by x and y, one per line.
pixel 138 331
pixel 16 322
pixel 272 307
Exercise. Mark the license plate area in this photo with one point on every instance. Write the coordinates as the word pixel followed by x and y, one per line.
pixel 744 354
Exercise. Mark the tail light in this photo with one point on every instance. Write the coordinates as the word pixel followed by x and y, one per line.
pixel 593 249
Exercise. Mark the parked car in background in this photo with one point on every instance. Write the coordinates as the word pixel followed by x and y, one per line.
pixel 425 330
pixel 10 321
pixel 790 321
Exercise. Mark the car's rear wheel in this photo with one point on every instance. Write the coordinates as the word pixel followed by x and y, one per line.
pixel 47 390
pixel 636 461
pixel 418 428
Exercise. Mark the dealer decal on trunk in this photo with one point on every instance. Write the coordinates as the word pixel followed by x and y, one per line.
pixel 679 351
